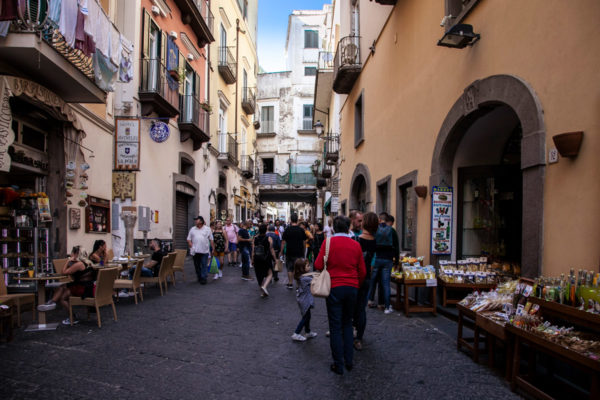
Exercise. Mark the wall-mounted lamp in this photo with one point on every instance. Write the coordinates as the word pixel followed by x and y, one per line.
pixel 459 36
pixel 421 191
pixel 569 143
pixel 319 127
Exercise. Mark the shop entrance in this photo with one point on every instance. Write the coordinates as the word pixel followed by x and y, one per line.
pixel 181 220
pixel 221 206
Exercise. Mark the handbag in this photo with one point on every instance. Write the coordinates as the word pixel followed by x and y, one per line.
pixel 321 283
pixel 278 266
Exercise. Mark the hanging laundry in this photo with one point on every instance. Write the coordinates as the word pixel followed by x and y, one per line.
pixel 126 64
pixel 83 41
pixel 83 6
pixel 68 21
pixel 115 45
pixel 8 10
pixel 54 12
pixel 102 34
pixel 90 10
pixel 105 73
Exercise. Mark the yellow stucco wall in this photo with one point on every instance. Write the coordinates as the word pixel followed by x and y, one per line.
pixel 410 84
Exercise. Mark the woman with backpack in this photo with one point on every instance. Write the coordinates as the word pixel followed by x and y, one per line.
pixel 263 255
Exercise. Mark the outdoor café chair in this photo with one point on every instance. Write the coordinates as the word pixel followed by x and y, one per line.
pixel 132 284
pixel 178 263
pixel 59 266
pixel 162 274
pixel 171 270
pixel 18 299
pixel 103 296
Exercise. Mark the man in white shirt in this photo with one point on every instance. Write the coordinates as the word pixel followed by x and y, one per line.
pixel 200 241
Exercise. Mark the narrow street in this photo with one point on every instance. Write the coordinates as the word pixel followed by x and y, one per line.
pixel 222 341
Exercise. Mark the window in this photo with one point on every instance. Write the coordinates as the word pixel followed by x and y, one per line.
pixel 267 121
pixel 268 166
pixel 245 85
pixel 243 5
pixel 307 116
pixel 33 138
pixel 407 217
pixel 311 39
pixel 310 71
pixel 186 167
pixel 359 135
pixel 383 194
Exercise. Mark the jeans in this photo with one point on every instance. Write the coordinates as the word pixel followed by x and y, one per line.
pixel 304 323
pixel 201 265
pixel 340 309
pixel 245 260
pixel 382 270
pixel 360 313
pixel 146 272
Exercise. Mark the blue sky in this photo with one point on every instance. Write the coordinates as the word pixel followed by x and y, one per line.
pixel 272 28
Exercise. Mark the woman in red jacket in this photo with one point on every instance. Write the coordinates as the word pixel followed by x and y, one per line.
pixel 346 267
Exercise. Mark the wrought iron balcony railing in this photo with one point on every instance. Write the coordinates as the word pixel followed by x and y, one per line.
pixel 227 65
pixel 325 60
pixel 159 88
pixel 347 64
pixel 332 148
pixel 249 100
pixel 228 148
pixel 247 167
pixel 193 120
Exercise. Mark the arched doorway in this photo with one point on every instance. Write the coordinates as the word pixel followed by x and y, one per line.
pixel 491 148
pixel 221 206
pixel 360 189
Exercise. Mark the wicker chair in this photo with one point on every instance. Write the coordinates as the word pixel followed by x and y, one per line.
pixel 104 292
pixel 59 266
pixel 178 263
pixel 17 299
pixel 132 284
pixel 171 270
pixel 162 274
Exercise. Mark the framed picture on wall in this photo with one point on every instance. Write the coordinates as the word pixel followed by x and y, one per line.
pixel 97 215
pixel 74 218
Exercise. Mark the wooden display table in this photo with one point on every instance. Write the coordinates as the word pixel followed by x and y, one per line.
pixel 403 301
pixel 468 287
pixel 495 331
pixel 466 317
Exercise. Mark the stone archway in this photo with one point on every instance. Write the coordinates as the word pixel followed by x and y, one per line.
pixel 360 189
pixel 521 98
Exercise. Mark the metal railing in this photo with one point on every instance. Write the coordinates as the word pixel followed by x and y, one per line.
pixel 156 79
pixel 325 60
pixel 226 59
pixel 300 178
pixel 348 52
pixel 205 12
pixel 247 165
pixel 228 146
pixel 191 112
pixel 332 145
pixel 249 100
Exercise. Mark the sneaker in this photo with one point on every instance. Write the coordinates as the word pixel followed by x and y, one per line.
pixel 296 337
pixel 389 310
pixel 264 290
pixel 68 321
pixel 246 278
pixel 291 287
pixel 220 274
pixel 310 335
pixel 216 277
pixel 50 305
pixel 327 334
pixel 123 293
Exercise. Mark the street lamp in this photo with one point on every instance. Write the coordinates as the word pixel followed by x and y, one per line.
pixel 319 127
pixel 459 36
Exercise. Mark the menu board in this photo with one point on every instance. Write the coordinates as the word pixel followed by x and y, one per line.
pixel 127 144
pixel 441 220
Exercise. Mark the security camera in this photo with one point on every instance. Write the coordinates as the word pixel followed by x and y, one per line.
pixel 445 20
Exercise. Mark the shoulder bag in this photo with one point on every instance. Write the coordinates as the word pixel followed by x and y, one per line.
pixel 321 283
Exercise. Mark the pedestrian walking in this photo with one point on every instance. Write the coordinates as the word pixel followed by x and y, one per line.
pixel 221 246
pixel 200 241
pixel 304 298
pixel 328 228
pixel 245 246
pixel 368 247
pixel 346 268
pixel 293 242
pixel 231 231
pixel 273 234
pixel 318 240
pixel 356 219
pixel 384 260
pixel 263 256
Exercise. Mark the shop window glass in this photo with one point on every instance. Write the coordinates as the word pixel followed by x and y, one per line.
pixel 33 138
pixel 407 216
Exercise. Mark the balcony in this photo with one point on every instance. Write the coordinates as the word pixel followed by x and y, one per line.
pixel 159 91
pixel 347 64
pixel 247 167
pixel 228 149
pixel 325 61
pixel 193 121
pixel 332 149
pixel 197 14
pixel 227 65
pixel 44 57
pixel 249 100
pixel 297 178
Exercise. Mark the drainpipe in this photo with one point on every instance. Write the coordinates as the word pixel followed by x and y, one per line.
pixel 237 70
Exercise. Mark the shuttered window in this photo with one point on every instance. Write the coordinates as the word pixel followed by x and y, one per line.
pixel 311 39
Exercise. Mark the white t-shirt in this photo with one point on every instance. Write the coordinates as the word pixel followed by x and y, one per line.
pixel 200 238
pixel 328 231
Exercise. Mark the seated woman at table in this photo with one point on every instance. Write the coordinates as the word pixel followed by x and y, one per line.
pixel 83 275
pixel 99 253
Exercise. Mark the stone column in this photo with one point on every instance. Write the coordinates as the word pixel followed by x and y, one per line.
pixel 129 221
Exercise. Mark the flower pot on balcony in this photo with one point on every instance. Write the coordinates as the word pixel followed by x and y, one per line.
pixel 421 191
pixel 256 124
pixel 568 143
pixel 326 173
pixel 174 74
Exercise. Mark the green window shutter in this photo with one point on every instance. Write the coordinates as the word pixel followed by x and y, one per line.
pixel 197 87
pixel 181 68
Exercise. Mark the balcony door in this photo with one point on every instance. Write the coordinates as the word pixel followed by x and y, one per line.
pixel 243 142
pixel 153 52
pixel 188 88
pixel 222 130
pixel 223 55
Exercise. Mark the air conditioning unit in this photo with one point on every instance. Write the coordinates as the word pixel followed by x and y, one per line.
pixel 155 10
pixel 190 57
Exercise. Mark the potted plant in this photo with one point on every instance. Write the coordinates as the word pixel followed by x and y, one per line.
pixel 326 173
pixel 568 143
pixel 206 107
pixel 173 73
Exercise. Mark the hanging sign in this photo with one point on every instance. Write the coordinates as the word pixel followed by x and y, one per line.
pixel 441 220
pixel 159 131
pixel 127 144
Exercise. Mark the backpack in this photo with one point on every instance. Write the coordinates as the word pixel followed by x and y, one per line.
pixel 260 252
pixel 384 236
pixel 276 241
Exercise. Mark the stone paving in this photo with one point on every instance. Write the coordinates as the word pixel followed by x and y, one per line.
pixel 222 341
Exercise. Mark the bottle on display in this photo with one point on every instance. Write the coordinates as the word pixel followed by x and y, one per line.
pixel 572 287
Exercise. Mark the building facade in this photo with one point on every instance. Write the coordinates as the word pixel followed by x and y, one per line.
pixel 483 121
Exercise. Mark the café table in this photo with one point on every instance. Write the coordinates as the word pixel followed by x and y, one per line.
pixel 42 280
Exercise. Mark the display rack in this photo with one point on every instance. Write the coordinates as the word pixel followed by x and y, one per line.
pixel 24 249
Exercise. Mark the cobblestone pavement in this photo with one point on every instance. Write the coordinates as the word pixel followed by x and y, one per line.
pixel 222 341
